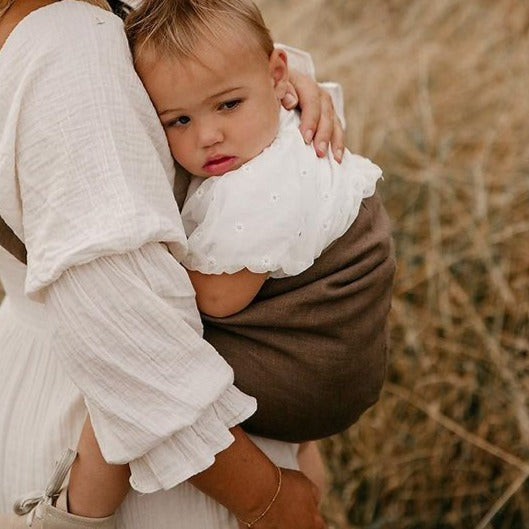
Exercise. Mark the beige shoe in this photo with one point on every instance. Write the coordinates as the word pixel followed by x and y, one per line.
pixel 48 510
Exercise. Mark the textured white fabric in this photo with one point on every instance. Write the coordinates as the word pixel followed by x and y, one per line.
pixel 93 171
pixel 92 177
pixel 279 211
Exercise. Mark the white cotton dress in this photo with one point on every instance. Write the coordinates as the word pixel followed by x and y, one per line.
pixel 103 319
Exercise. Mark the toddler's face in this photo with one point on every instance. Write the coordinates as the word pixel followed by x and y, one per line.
pixel 220 111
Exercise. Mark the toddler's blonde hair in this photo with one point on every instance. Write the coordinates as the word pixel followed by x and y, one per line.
pixel 174 28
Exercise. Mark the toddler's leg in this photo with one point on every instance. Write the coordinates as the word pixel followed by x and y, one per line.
pixel 311 464
pixel 96 489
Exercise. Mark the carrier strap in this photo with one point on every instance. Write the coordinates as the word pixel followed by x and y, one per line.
pixel 11 242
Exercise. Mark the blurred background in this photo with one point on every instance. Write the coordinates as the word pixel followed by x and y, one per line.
pixel 437 94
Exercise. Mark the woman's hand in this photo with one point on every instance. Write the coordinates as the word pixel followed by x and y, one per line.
pixel 319 122
pixel 296 506
pixel 244 480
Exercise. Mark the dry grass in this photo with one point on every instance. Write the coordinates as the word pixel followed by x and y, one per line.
pixel 437 95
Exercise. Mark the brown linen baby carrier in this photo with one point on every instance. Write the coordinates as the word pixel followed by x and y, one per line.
pixel 312 348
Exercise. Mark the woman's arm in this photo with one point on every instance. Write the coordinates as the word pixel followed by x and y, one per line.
pixel 124 333
pixel 225 294
pixel 241 475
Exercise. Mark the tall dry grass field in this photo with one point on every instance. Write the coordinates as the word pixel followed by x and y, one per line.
pixel 437 93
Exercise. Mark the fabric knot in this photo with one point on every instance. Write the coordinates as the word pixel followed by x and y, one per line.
pixel 30 504
pixel 26 505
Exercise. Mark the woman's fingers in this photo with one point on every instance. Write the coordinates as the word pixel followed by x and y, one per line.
pixel 308 93
pixel 329 130
pixel 319 122
pixel 310 104
pixel 338 140
pixel 290 100
pixel 326 125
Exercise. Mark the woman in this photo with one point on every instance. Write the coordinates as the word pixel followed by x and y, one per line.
pixel 86 182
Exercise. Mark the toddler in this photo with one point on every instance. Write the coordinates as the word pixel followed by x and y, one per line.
pixel 261 203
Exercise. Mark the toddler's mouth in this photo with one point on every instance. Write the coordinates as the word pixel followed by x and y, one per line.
pixel 218 165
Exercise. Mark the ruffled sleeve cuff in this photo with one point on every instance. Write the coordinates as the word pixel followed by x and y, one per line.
pixel 192 449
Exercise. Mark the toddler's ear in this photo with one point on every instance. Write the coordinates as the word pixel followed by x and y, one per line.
pixel 279 72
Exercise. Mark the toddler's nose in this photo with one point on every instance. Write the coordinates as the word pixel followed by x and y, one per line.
pixel 210 134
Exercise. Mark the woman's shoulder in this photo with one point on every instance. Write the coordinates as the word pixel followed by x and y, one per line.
pixel 63 29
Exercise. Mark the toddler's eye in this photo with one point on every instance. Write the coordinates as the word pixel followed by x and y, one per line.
pixel 180 121
pixel 229 105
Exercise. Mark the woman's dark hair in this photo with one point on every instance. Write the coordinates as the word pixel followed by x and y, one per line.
pixel 120 8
